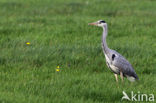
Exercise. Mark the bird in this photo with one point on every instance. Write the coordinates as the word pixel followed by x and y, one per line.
pixel 114 60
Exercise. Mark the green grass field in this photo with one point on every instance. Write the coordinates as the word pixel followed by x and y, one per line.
pixel 59 35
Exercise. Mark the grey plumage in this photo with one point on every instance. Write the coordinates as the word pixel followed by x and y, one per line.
pixel 115 61
pixel 118 60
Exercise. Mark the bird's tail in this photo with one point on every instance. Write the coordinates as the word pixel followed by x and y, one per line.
pixel 133 78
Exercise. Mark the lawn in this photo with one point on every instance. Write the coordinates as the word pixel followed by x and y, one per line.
pixel 59 35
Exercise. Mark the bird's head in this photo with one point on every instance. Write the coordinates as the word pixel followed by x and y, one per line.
pixel 100 23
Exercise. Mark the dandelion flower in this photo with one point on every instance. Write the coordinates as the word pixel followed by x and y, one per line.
pixel 57 70
pixel 58 67
pixel 28 43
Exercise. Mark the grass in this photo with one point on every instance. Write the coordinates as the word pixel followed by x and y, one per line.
pixel 59 35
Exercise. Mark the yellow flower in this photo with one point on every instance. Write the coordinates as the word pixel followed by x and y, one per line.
pixel 57 70
pixel 28 43
pixel 58 67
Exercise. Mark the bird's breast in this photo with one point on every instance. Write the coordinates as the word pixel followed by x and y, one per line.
pixel 115 69
pixel 111 66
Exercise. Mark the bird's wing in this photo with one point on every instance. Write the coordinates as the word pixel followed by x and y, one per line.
pixel 120 62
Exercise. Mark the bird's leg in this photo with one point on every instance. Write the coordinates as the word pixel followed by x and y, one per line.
pixel 121 75
pixel 116 77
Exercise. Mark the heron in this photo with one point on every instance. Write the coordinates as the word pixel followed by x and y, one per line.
pixel 115 61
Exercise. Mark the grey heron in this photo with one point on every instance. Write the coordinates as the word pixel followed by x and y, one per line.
pixel 115 61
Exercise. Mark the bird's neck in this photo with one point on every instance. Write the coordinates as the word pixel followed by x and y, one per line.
pixel 104 43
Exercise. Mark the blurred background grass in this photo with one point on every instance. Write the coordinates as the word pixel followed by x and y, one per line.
pixel 59 34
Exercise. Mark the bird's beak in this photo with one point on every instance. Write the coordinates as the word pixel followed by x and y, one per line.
pixel 95 23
